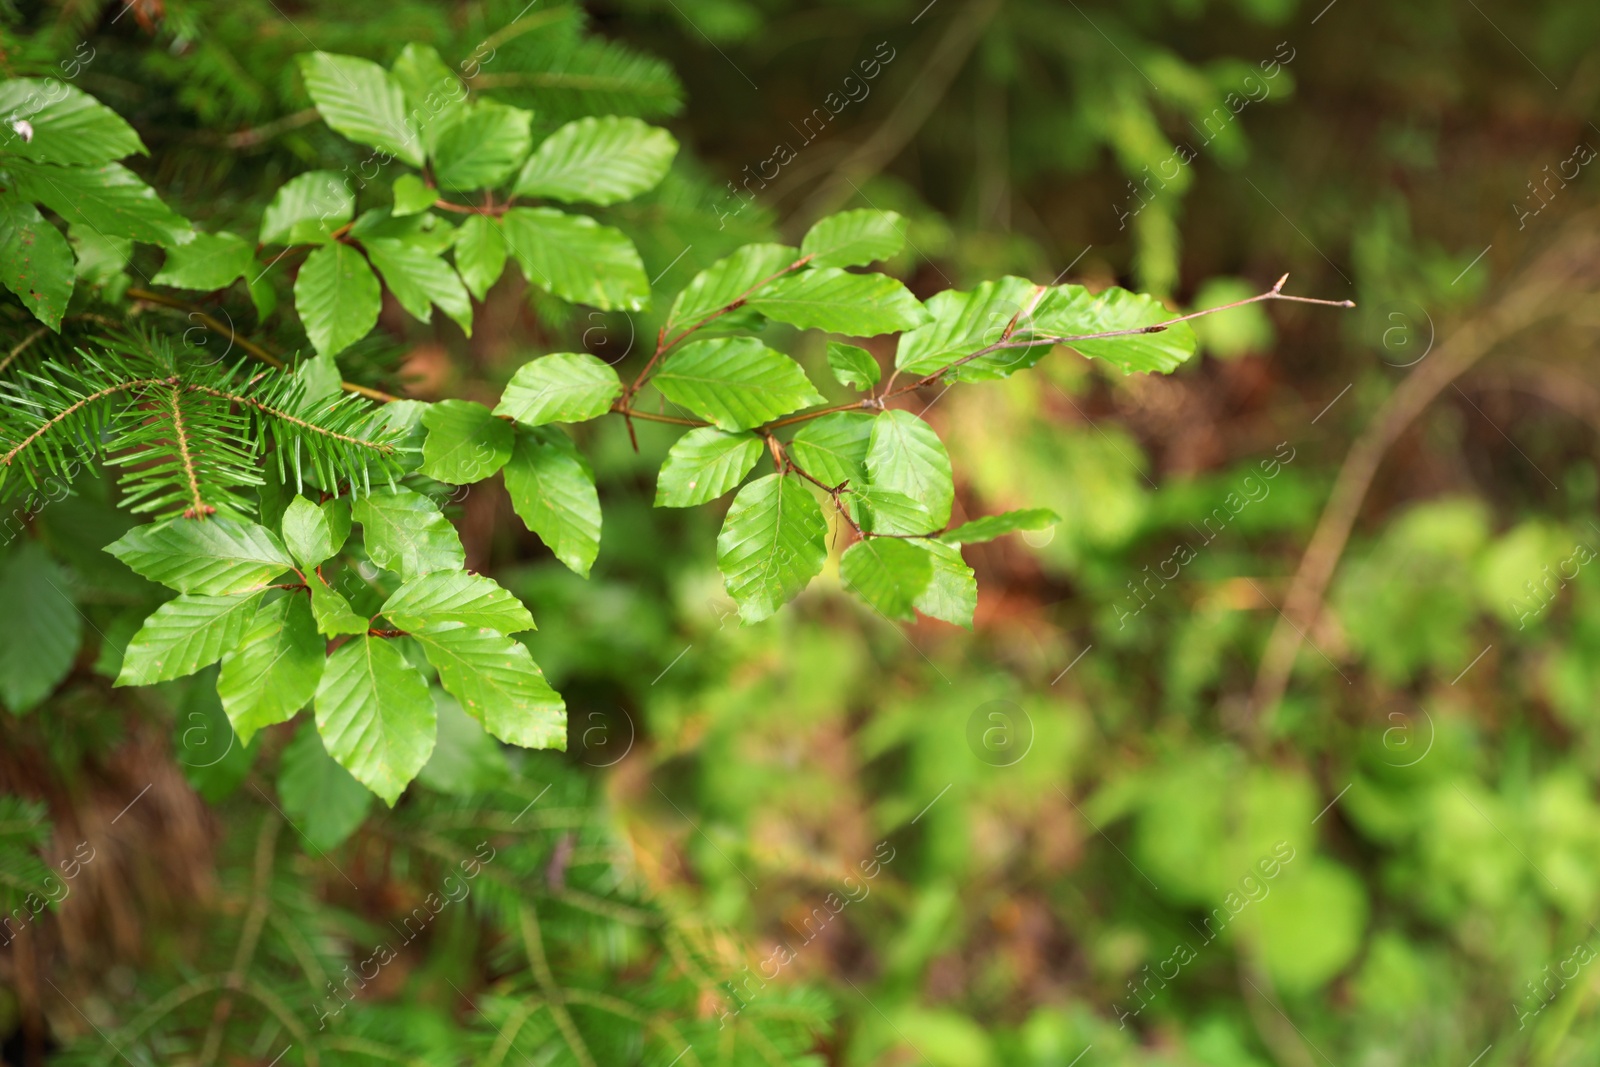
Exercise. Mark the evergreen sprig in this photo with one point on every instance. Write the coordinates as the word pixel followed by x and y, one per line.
pixel 187 434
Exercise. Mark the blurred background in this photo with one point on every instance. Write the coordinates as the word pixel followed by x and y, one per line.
pixel 1280 748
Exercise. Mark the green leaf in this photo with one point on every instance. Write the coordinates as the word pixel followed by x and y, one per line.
pixel 210 261
pixel 728 280
pixel 703 464
pixel 480 254
pixel 852 366
pixel 861 305
pixel 35 260
pixel 563 387
pixel 888 573
pixel 576 258
pixel 965 322
pixel 109 199
pixel 425 231
pixel 497 682
pixel 1071 310
pixel 952 590
pixel 263 295
pixel 419 279
pixel 735 382
pixel 375 715
pixel 337 297
pixel 184 635
pixel 598 161
pixel 906 456
pixel 40 630
pixel 357 98
pixel 482 148
pixel 833 448
pixel 70 127
pixel 433 92
pixel 214 556
pixel 552 490
pixel 319 379
pixel 332 611
pixel 466 442
pixel 991 526
pixel 274 670
pixel 773 542
pixel 102 260
pixel 446 599
pixel 315 533
pixel 884 511
pixel 466 761
pixel 321 799
pixel 307 208
pixel 854 238
pixel 406 533
pixel 412 196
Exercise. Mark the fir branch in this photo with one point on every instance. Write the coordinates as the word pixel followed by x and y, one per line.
pixel 180 441
pixel 309 427
pixel 188 437
pixel 66 415
pixel 256 350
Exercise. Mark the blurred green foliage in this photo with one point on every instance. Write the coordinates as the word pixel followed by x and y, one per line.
pixel 1432 769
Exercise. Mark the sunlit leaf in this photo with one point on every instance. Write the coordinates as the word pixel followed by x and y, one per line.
pixel 466 442
pixel 854 238
pixel 552 490
pixel 375 715
pixel 562 387
pixel 773 542
pixel 735 382
pixel 598 160
pixel 703 464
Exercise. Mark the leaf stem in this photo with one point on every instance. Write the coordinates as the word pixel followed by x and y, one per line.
pixel 1006 341
pixel 663 345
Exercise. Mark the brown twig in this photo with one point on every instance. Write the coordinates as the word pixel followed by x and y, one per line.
pixel 251 137
pixel 468 209
pixel 784 462
pixel 245 343
pixel 1007 341
pixel 922 97
pixel 664 345
pixel 1546 288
